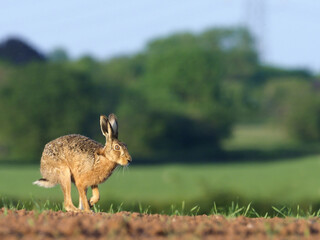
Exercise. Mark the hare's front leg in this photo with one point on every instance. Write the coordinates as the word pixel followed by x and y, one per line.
pixel 83 197
pixel 65 183
pixel 95 195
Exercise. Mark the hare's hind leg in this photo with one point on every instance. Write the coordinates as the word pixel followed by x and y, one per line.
pixel 65 182
pixel 95 195
pixel 80 202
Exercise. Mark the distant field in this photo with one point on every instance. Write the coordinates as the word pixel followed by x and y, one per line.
pixel 259 137
pixel 284 182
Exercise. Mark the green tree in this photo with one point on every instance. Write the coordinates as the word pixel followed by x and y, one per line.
pixel 180 95
pixel 58 55
pixel 40 102
pixel 183 99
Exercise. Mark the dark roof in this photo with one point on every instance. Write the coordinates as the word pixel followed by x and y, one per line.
pixel 16 51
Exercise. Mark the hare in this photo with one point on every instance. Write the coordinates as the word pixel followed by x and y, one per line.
pixel 83 161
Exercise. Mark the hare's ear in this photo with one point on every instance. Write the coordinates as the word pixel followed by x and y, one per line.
pixel 104 125
pixel 114 124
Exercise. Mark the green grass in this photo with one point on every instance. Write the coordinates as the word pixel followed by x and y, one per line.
pixel 268 186
pixel 229 211
pixel 284 182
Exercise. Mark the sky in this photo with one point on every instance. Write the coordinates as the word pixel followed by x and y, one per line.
pixel 289 30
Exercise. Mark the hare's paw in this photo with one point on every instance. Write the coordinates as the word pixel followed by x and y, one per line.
pixel 72 209
pixel 93 200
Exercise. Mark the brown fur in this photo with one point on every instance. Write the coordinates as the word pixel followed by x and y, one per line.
pixel 87 163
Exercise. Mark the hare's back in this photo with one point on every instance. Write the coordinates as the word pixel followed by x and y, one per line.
pixel 71 146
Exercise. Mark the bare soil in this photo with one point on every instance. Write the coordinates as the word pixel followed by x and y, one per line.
pixel 22 224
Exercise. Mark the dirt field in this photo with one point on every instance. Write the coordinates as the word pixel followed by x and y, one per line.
pixel 59 225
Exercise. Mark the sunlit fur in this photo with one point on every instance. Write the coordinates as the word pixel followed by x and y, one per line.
pixel 87 163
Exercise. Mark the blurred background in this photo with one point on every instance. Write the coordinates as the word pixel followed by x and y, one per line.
pixel 218 101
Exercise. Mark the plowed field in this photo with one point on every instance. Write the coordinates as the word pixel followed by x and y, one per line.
pixel 23 224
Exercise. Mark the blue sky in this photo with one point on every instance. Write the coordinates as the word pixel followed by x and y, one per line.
pixel 291 29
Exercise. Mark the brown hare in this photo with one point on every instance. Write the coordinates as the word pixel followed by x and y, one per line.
pixel 87 163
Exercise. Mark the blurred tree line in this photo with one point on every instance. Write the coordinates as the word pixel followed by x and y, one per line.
pixel 178 98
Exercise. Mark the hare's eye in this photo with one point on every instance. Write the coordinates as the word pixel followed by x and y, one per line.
pixel 116 147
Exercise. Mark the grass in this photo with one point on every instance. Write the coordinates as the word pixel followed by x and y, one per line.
pixel 267 186
pixel 231 211
pixel 283 183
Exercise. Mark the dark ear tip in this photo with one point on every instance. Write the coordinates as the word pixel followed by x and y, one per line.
pixel 112 115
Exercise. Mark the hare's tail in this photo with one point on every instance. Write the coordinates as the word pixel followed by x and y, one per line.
pixel 42 182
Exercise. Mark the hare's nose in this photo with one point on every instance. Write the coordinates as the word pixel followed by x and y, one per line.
pixel 130 159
